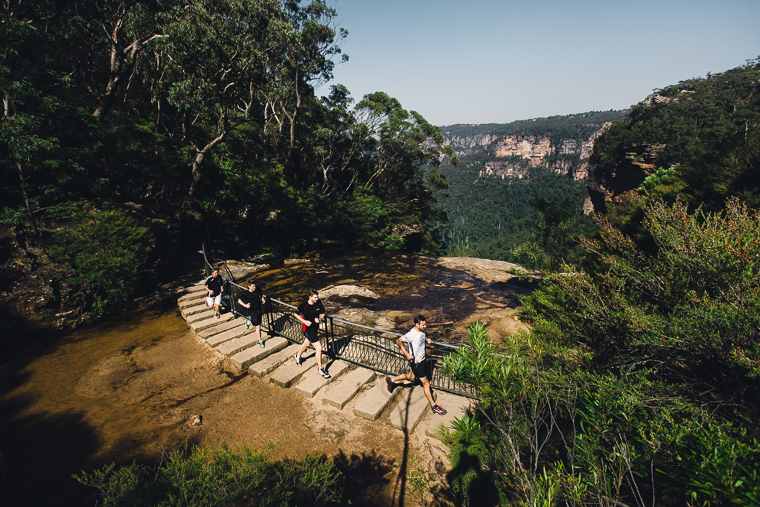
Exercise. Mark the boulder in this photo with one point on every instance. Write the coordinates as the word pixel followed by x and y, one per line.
pixel 242 270
pixel 347 291
pixel 365 317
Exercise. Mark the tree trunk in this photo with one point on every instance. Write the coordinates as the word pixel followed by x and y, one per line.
pixel 123 63
pixel 197 174
pixel 26 197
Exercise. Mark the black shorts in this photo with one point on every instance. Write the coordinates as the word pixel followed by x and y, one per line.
pixel 419 369
pixel 255 319
pixel 311 334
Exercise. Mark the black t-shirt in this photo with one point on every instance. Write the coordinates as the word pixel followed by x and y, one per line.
pixel 310 312
pixel 254 298
pixel 215 284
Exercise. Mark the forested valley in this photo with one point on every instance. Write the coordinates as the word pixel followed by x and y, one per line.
pixel 532 215
pixel 133 130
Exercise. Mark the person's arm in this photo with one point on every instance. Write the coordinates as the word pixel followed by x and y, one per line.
pixel 301 319
pixel 400 343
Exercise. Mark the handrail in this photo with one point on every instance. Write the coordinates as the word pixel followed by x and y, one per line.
pixel 362 345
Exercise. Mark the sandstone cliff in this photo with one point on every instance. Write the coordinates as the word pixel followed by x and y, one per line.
pixel 510 156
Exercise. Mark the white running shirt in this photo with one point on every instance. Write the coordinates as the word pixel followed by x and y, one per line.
pixel 416 341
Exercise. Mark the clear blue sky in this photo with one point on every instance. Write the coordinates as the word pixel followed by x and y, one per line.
pixel 496 61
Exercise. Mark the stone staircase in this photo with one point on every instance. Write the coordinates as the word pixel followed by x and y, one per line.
pixel 362 388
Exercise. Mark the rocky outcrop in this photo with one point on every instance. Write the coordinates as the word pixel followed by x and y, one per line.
pixel 513 155
pixel 625 179
pixel 463 143
pixel 346 291
pixel 526 147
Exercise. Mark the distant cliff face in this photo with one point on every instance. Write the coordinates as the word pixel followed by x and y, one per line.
pixel 510 156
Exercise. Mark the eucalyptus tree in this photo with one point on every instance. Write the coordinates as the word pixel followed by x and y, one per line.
pixel 232 62
pixel 128 28
pixel 305 59
pixel 406 151
pixel 29 119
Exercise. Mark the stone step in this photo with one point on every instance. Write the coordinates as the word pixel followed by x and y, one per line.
pixel 269 363
pixel 456 407
pixel 233 332
pixel 206 323
pixel 289 373
pixel 245 358
pixel 339 394
pixel 222 327
pixel 232 347
pixel 374 401
pixel 205 313
pixel 411 409
pixel 193 292
pixel 309 386
pixel 192 307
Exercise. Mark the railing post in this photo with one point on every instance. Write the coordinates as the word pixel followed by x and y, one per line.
pixel 329 335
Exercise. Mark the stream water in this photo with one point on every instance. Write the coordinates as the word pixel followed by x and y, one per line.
pixel 111 390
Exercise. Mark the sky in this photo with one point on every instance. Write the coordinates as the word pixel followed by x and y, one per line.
pixel 497 61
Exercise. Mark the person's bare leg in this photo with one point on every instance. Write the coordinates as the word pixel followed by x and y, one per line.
pixel 318 348
pixel 404 376
pixel 428 391
pixel 303 348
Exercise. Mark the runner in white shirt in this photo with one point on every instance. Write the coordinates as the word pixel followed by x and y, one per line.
pixel 416 340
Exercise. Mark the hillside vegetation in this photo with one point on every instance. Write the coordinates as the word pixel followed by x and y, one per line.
pixel 557 128
pixel 698 141
pixel 639 383
pixel 177 122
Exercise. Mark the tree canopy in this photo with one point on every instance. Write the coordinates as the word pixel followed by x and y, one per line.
pixel 203 116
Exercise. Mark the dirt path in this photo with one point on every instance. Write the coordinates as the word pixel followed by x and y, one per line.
pixel 137 390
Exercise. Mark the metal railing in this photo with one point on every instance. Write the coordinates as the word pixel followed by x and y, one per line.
pixel 365 346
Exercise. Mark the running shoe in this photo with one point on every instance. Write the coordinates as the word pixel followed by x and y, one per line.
pixel 216 315
pixel 261 343
pixel 439 410
pixel 247 324
pixel 323 373
pixel 298 359
pixel 389 384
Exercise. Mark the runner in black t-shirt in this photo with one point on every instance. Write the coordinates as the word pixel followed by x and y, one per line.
pixel 310 313
pixel 251 301
pixel 215 286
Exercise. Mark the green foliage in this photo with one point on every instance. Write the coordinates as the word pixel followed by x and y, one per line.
pixel 218 476
pixel 695 300
pixel 561 127
pixel 637 382
pixel 703 134
pixel 204 114
pixel 107 250
pixel 533 221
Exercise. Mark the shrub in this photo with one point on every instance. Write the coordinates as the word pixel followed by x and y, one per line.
pixel 548 431
pixel 218 476
pixel 694 301
pixel 637 384
pixel 106 250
